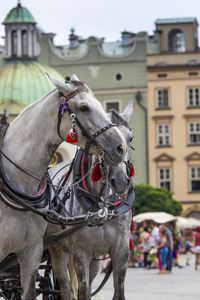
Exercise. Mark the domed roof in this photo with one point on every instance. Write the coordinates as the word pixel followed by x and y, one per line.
pixel 22 83
pixel 19 14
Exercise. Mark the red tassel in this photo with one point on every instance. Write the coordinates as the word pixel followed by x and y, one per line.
pixel 72 136
pixel 132 171
pixel 132 227
pixel 96 174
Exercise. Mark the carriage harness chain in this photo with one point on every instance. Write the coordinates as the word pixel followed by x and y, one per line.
pixel 23 202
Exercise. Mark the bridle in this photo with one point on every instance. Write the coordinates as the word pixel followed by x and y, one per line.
pixel 91 138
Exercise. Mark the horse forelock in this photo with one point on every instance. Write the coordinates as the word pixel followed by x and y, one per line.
pixel 82 85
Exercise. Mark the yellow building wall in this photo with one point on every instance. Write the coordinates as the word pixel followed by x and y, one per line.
pixel 178 115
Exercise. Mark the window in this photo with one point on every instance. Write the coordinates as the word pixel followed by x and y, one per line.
pixel 164 178
pixel 193 97
pixel 162 99
pixel 14 43
pixel 162 75
pixel 24 43
pixel 163 135
pixel 194 133
pixel 108 105
pixel 118 76
pixel 176 41
pixel 195 179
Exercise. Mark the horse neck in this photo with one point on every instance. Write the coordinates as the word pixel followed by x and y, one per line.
pixel 30 143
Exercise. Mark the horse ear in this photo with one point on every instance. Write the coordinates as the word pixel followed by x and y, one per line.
pixel 61 86
pixel 75 77
pixel 128 111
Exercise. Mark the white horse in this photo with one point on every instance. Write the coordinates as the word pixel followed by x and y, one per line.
pixel 89 242
pixel 27 148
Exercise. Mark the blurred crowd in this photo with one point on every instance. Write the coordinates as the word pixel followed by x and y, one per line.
pixel 159 246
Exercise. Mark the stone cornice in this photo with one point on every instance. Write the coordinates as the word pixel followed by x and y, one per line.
pixel 119 91
pixel 188 116
pixel 169 117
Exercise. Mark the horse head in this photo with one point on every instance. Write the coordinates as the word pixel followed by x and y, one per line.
pixel 90 125
pixel 120 176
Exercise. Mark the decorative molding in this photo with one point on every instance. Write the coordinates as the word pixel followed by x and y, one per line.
pixel 164 157
pixel 119 91
pixel 188 116
pixel 169 117
pixel 191 209
pixel 193 156
pixel 94 71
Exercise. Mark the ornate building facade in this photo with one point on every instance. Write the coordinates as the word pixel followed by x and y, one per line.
pixel 173 65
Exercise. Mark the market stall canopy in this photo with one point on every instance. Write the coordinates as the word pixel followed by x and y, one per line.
pixel 184 223
pixel 158 217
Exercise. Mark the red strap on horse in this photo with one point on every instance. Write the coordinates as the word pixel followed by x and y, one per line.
pixel 130 245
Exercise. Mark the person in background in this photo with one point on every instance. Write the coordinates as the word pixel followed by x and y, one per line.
pixel 177 246
pixel 188 247
pixel 146 246
pixel 196 246
pixel 162 249
pixel 154 241
pixel 169 237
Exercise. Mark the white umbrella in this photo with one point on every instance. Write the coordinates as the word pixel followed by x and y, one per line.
pixel 158 217
pixel 183 223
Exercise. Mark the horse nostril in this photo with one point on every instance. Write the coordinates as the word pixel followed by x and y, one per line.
pixel 120 149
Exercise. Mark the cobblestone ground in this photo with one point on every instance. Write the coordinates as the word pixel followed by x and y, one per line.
pixel 141 284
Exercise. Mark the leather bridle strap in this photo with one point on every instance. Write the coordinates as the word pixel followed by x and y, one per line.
pixel 66 107
pixel 91 140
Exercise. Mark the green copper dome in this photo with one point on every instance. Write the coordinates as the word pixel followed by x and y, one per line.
pixel 19 14
pixel 22 83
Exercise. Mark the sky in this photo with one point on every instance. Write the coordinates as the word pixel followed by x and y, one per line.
pixel 100 18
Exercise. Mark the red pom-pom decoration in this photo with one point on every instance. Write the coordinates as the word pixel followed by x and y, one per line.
pixel 72 136
pixel 96 174
pixel 132 171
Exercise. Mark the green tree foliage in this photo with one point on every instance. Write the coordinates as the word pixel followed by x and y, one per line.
pixel 150 199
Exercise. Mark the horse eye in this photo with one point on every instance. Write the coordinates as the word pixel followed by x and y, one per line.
pixel 84 108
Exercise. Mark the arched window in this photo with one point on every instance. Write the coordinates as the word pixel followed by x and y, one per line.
pixel 176 41
pixel 24 43
pixel 14 42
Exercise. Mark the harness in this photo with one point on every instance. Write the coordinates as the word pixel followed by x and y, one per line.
pixel 91 138
pixel 12 196
pixel 89 202
pixel 93 203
